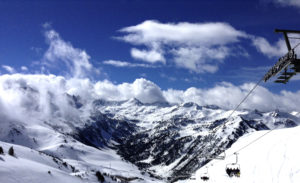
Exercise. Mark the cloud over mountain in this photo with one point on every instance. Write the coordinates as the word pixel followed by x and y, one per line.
pixel 48 95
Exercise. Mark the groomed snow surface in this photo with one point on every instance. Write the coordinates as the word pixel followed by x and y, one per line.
pixel 275 158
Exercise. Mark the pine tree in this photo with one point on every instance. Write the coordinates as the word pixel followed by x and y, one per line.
pixel 11 151
pixel 1 150
pixel 100 176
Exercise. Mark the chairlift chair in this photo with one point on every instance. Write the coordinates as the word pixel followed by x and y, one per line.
pixel 233 169
pixel 205 176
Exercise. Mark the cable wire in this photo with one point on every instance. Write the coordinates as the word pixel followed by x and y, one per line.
pixel 260 137
pixel 240 105
pixel 255 140
pixel 242 101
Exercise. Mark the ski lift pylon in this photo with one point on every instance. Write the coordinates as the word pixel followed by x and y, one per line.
pixel 288 65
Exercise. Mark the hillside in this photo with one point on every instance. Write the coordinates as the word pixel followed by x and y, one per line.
pixel 273 158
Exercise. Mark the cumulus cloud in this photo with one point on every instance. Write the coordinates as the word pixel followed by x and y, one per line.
pixel 141 89
pixel 75 59
pixel 118 63
pixel 27 97
pixel 275 50
pixel 177 40
pixel 151 56
pixel 295 3
pixel 8 68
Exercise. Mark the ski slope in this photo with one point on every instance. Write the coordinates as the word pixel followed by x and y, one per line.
pixel 274 158
pixel 29 165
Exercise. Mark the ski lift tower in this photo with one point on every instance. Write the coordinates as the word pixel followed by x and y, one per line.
pixel 288 65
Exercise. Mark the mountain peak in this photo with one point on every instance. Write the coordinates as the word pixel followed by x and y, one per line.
pixel 134 101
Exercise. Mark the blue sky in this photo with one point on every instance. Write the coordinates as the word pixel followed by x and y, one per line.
pixel 176 44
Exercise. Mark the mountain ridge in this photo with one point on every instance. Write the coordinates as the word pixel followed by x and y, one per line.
pixel 164 141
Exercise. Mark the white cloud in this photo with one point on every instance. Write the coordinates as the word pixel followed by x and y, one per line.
pixel 151 56
pixel 200 59
pixel 228 96
pixel 295 3
pixel 142 89
pixel 8 69
pixel 153 32
pixel 35 97
pixel 45 97
pixel 75 59
pixel 177 40
pixel 118 63
pixel 24 68
pixel 275 50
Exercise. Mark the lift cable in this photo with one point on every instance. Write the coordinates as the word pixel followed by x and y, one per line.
pixel 258 138
pixel 296 45
pixel 294 37
pixel 250 143
pixel 244 99
pixel 236 108
pixel 213 132
pixel 249 93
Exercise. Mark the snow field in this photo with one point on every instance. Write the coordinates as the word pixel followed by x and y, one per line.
pixel 272 159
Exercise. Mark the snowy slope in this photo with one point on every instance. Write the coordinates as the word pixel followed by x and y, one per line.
pixel 29 165
pixel 273 158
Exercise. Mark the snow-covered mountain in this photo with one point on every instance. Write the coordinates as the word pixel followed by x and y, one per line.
pixel 125 139
pixel 273 158
pixel 50 122
pixel 174 141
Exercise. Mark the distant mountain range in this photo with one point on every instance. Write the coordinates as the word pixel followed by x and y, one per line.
pixel 151 142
